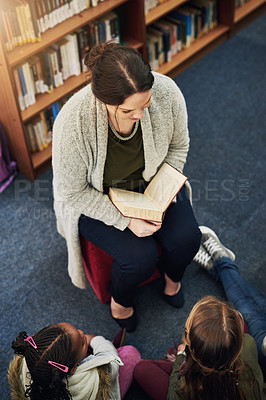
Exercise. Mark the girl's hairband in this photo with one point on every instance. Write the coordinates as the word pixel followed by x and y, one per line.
pixel 62 367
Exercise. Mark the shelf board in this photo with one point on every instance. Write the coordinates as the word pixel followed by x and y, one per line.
pixel 21 53
pixel 41 157
pixel 195 48
pixel 135 44
pixel 162 9
pixel 45 100
pixel 246 9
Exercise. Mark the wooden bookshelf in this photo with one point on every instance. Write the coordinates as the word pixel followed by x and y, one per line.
pixel 247 9
pixel 133 25
pixel 162 9
pixel 21 53
pixel 197 50
pixel 45 100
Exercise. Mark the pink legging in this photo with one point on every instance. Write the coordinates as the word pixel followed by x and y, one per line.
pixel 130 357
pixel 153 376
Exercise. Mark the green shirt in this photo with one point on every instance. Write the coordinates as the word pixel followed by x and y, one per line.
pixel 249 356
pixel 124 161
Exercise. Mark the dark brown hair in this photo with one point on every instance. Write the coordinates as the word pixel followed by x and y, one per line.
pixel 47 382
pixel 214 339
pixel 117 72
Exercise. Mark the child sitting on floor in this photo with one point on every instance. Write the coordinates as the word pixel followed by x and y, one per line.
pixel 61 362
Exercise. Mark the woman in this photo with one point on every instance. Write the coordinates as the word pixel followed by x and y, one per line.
pixel 118 131
pixel 215 362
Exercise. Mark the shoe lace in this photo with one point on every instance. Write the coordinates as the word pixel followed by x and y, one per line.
pixel 202 258
pixel 212 246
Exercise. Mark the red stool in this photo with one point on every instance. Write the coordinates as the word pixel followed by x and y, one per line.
pixel 97 266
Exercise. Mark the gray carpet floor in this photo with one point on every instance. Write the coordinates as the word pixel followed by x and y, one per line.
pixel 225 95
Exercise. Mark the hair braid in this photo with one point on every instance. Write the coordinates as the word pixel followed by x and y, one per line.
pixel 47 382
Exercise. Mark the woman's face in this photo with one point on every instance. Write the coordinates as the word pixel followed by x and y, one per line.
pixel 132 108
pixel 78 338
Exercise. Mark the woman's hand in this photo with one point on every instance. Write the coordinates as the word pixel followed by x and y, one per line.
pixel 142 228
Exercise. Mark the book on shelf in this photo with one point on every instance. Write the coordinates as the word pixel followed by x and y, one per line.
pixel 21 100
pixel 26 21
pixel 185 17
pixel 150 4
pixel 152 204
pixel 155 48
pixel 174 48
pixel 166 30
pixel 180 31
pixel 37 134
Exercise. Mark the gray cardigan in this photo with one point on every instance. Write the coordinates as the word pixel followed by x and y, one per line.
pixel 80 136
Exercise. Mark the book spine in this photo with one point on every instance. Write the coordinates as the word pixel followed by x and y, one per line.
pixel 34 18
pixel 23 87
pixel 19 90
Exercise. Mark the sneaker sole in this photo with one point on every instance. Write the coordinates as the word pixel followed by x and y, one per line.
pixel 205 229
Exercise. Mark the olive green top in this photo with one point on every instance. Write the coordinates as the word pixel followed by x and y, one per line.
pixel 124 161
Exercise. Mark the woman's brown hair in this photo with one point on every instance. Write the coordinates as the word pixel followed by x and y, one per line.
pixel 117 72
pixel 214 339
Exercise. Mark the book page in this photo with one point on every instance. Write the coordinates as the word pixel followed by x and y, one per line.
pixel 130 199
pixel 164 186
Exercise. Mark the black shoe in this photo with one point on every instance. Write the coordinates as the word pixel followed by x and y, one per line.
pixel 177 300
pixel 129 323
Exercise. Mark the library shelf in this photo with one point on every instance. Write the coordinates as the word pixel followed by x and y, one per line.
pixel 21 53
pixel 197 49
pixel 41 157
pixel 133 25
pixel 247 9
pixel 46 99
pixel 162 9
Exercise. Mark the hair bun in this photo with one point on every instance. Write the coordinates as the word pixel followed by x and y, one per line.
pixel 19 345
pixel 97 52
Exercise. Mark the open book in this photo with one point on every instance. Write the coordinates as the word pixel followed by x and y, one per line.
pixel 158 195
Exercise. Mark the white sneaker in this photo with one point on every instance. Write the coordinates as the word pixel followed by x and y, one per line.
pixel 213 245
pixel 203 258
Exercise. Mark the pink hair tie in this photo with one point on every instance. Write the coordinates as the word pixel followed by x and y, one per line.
pixel 30 340
pixel 62 367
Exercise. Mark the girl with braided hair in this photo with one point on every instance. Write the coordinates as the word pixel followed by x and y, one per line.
pixel 60 362
pixel 216 360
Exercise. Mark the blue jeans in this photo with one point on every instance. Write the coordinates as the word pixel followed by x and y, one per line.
pixel 136 258
pixel 246 299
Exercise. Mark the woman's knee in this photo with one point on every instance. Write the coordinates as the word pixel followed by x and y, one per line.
pixel 187 243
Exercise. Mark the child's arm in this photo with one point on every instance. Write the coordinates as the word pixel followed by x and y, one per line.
pixel 102 346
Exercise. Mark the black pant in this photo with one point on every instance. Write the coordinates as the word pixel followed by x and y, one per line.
pixel 135 259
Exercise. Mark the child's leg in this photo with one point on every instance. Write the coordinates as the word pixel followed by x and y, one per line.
pixel 153 376
pixel 130 357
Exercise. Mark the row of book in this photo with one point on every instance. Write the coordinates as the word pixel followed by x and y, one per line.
pixel 179 29
pixel 150 4
pixel 39 130
pixel 29 19
pixel 49 69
